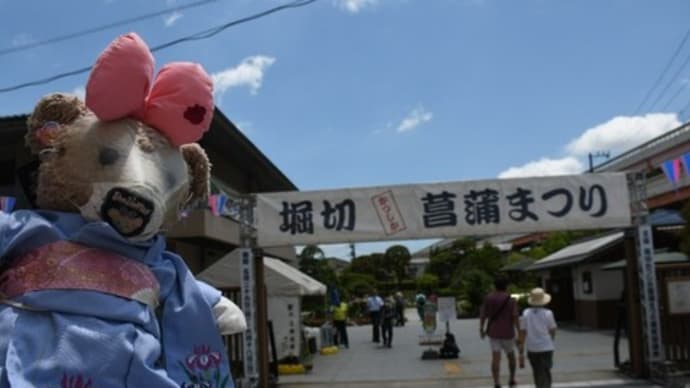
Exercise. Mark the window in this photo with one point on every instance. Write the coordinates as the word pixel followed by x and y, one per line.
pixel 587 282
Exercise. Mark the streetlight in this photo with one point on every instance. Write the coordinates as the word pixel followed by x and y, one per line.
pixel 598 154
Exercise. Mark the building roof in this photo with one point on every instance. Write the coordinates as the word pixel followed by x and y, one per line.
pixel 577 252
pixel 519 265
pixel 659 258
pixel 646 150
pixel 419 261
pixel 223 140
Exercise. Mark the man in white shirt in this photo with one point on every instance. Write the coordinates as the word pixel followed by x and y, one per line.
pixel 537 332
pixel 374 304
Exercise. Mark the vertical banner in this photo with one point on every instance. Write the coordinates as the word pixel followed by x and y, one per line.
pixel 248 306
pixel 429 322
pixel 649 294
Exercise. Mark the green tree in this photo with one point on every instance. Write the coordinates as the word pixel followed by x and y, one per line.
pixel 475 284
pixel 397 259
pixel 443 265
pixel 312 263
pixel 427 282
pixel 356 284
pixel 373 264
pixel 311 252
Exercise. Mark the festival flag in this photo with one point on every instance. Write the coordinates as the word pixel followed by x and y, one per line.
pixel 7 204
pixel 672 170
pixel 221 200
pixel 212 203
pixel 686 162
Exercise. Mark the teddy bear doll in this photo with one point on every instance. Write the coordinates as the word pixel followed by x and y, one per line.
pixel 90 297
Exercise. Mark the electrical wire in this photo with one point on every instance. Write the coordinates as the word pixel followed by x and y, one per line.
pixel 663 73
pixel 678 92
pixel 671 81
pixel 205 34
pixel 686 109
pixel 88 31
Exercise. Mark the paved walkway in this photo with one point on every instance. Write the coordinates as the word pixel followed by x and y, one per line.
pixel 583 358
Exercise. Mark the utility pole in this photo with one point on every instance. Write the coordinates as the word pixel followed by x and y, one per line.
pixel 598 154
pixel 352 250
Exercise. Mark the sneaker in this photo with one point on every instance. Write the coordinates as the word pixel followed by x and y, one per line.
pixel 512 383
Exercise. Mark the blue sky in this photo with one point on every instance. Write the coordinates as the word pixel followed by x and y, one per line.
pixel 349 93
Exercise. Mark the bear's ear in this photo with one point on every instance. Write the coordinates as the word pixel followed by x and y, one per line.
pixel 49 118
pixel 199 173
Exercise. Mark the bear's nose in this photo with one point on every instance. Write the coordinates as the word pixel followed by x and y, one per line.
pixel 108 156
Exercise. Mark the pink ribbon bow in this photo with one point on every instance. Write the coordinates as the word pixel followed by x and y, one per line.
pixel 178 103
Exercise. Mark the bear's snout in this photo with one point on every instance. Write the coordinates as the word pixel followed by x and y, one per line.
pixel 126 211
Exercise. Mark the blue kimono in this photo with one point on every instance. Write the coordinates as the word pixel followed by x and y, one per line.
pixel 82 307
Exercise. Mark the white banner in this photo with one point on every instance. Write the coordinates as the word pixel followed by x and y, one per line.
pixel 472 208
pixel 446 309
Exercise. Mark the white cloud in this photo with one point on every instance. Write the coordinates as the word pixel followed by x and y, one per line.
pixel 545 167
pixel 354 6
pixel 415 118
pixel 171 19
pixel 248 73
pixel 617 135
pixel 22 39
pixel 80 92
pixel 622 133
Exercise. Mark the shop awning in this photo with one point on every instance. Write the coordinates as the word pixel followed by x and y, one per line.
pixel 577 252
pixel 281 278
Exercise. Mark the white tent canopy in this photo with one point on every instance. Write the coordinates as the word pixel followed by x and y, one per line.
pixel 281 278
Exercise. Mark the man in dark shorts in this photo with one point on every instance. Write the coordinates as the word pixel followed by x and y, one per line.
pixel 499 320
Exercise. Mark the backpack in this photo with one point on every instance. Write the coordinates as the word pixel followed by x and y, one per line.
pixel 450 348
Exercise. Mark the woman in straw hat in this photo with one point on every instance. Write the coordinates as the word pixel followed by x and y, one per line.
pixel 537 332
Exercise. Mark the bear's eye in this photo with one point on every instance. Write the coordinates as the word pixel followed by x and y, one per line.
pixel 170 180
pixel 108 156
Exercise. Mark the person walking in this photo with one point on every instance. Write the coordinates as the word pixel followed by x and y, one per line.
pixel 499 312
pixel 374 304
pixel 399 309
pixel 387 317
pixel 537 333
pixel 420 300
pixel 340 323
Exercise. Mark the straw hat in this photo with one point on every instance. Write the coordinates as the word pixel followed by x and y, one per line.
pixel 537 297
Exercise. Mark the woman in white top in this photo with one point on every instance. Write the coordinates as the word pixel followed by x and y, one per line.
pixel 537 332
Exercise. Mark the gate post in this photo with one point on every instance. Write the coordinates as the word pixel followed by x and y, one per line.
pixel 248 292
pixel 649 297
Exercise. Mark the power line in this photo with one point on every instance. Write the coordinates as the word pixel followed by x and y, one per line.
pixel 678 92
pixel 663 73
pixel 104 27
pixel 670 81
pixel 686 109
pixel 205 34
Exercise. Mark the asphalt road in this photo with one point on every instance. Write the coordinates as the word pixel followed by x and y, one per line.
pixel 583 358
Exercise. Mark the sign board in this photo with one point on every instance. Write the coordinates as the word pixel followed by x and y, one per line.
pixel 429 322
pixel 446 309
pixel 486 207
pixel 648 292
pixel 678 295
pixel 247 295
